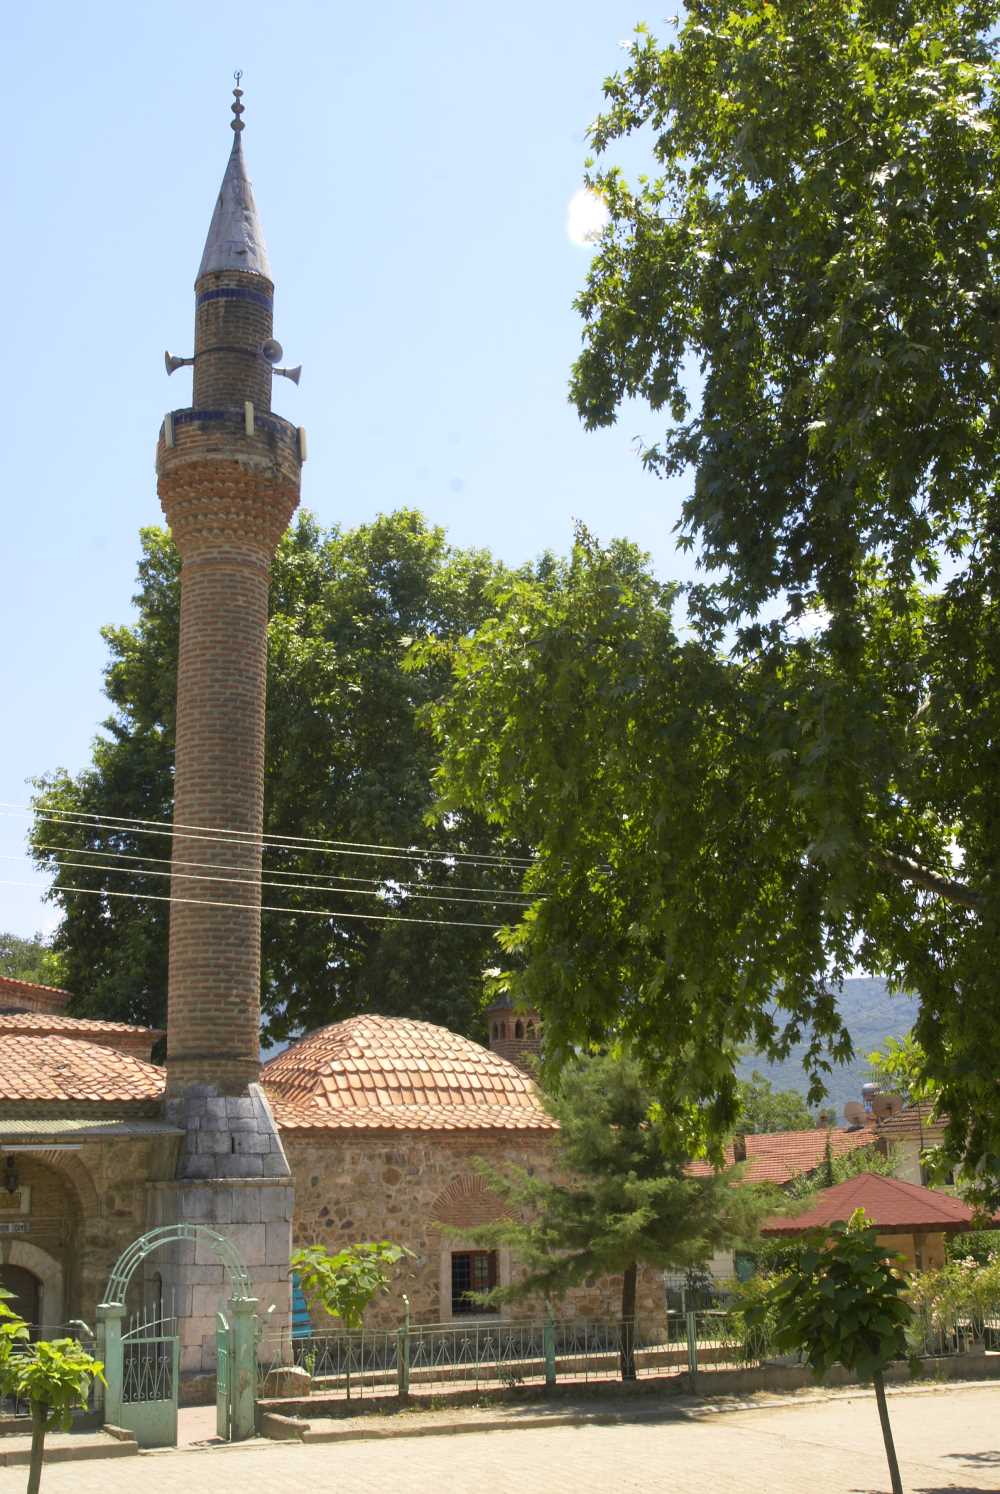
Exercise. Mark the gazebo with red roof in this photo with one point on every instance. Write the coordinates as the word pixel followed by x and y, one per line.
pixel 912 1220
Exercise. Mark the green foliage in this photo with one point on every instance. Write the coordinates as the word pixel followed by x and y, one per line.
pixel 31 959
pixel 343 1285
pixel 762 1108
pixel 901 1068
pixel 818 237
pixel 620 1195
pixel 842 1303
pixel 57 1375
pixel 679 901
pixel 345 758
pixel 53 1375
pixel 964 1289
pixel 13 1331
pixel 979 1245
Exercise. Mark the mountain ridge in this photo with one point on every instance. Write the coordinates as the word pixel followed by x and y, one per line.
pixel 871 1013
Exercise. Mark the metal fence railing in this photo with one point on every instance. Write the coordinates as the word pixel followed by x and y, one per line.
pixel 471 1356
pixel 940 1331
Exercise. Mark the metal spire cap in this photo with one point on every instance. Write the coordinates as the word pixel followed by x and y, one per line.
pixel 235 236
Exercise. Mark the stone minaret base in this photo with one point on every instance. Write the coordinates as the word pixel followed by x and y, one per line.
pixel 225 1137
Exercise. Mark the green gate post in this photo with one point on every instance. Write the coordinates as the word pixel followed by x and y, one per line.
pixel 403 1352
pixel 549 1349
pixel 243 1370
pixel 691 1322
pixel 110 1316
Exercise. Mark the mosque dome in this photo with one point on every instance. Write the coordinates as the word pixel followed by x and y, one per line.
pixel 394 1073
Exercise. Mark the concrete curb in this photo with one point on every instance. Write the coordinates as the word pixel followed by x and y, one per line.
pixel 680 1408
pixel 79 1451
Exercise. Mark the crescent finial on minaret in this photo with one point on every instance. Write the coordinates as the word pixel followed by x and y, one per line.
pixel 237 108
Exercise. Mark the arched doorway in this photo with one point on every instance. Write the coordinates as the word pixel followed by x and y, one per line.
pixel 27 1298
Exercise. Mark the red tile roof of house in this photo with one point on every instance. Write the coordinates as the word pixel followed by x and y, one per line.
pixel 894 1207
pixel 779 1156
pixel 29 995
pixel 57 1070
pixel 392 1073
pixel 915 1120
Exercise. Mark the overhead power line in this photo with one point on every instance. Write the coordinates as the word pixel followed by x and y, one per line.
pixel 231 879
pixel 346 884
pixel 156 897
pixel 268 840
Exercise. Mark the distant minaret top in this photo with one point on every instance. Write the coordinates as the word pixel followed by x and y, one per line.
pixel 235 238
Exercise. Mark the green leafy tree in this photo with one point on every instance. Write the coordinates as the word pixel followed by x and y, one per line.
pixel 842 1303
pixel 901 1068
pixel 345 1284
pixel 762 1108
pixel 13 1331
pixel 675 899
pixel 53 1376
pixel 29 959
pixel 345 758
pixel 620 1197
pixel 816 237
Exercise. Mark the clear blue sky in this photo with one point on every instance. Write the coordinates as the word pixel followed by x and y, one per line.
pixel 412 165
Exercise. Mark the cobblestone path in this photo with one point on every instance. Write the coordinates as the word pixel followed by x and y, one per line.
pixel 948 1440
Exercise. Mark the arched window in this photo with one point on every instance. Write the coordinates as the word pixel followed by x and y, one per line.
pixel 519 1029
pixel 503 1029
pixel 496 1029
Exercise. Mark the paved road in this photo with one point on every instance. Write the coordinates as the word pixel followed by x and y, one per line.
pixel 948 1440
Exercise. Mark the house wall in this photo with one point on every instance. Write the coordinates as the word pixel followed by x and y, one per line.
pixel 350 1188
pixel 907 1164
pixel 84 1208
pixel 920 1252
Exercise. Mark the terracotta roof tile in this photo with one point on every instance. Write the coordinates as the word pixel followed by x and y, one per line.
pixel 32 996
pixel 60 1069
pixel 895 1207
pixel 394 1073
pixel 305 1117
pixel 779 1156
pixel 39 1023
pixel 915 1120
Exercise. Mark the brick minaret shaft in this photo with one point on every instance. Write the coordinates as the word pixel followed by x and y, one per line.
pixel 228 475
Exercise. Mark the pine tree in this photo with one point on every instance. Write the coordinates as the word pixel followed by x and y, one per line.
pixel 621 1196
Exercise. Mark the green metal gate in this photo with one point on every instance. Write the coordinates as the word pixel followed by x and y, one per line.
pixel 149 1384
pixel 141 1365
pixel 223 1378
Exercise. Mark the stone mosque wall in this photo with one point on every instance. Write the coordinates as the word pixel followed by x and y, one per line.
pixel 398 1186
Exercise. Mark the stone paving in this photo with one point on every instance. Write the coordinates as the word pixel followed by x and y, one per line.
pixel 948 1441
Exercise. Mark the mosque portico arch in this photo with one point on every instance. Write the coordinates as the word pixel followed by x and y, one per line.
pixel 49 1274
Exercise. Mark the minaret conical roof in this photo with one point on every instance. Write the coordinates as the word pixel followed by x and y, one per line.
pixel 235 236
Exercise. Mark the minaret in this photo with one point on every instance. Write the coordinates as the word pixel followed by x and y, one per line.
pixel 228 480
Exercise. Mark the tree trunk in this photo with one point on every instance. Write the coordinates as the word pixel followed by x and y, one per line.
pixel 39 1422
pixel 629 1279
pixel 883 1416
